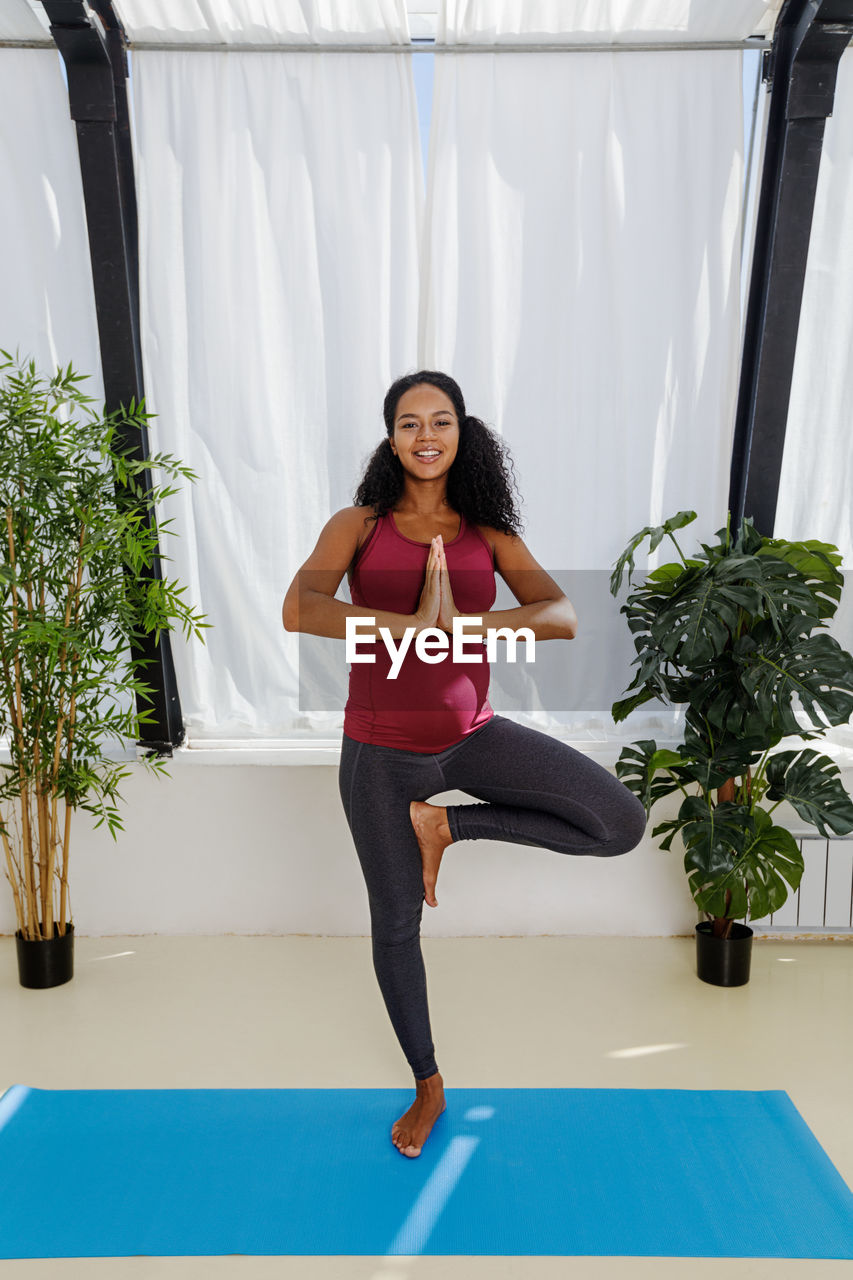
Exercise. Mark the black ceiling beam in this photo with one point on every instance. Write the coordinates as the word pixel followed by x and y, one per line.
pixel 800 67
pixel 96 67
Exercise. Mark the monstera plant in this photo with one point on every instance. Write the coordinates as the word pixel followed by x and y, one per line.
pixel 728 633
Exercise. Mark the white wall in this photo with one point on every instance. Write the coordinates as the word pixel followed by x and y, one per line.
pixel 265 849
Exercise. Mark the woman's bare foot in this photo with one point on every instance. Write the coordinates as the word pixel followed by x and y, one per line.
pixel 430 824
pixel 411 1131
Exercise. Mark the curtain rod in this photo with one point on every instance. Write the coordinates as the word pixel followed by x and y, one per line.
pixel 752 42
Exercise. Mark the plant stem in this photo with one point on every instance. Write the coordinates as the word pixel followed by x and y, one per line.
pixel 758 780
pixel 726 793
pixel 45 895
pixel 678 549
pixel 29 925
pixel 71 721
pixel 13 874
pixel 678 783
pixel 745 789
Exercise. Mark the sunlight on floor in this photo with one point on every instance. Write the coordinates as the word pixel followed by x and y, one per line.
pixel 643 1049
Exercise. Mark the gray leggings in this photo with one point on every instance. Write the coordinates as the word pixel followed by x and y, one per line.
pixel 538 791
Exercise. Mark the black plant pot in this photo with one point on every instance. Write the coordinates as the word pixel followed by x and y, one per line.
pixel 723 961
pixel 46 962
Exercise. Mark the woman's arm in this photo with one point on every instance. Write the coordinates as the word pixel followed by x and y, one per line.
pixel 310 603
pixel 543 607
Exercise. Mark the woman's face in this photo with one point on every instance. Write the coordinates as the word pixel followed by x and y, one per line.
pixel 425 423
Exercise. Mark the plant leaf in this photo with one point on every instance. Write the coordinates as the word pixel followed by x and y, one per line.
pixel 655 533
pixel 638 768
pixel 817 669
pixel 811 782
pixel 732 851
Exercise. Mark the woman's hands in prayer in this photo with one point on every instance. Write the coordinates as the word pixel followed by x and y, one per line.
pixel 436 607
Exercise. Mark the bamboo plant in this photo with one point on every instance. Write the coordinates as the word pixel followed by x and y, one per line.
pixel 73 512
pixel 728 634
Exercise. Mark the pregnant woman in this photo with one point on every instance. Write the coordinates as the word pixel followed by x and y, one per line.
pixel 434 517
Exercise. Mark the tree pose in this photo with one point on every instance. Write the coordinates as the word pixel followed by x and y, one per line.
pixel 434 518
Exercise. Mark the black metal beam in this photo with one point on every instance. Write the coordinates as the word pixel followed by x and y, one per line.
pixel 801 68
pixel 96 66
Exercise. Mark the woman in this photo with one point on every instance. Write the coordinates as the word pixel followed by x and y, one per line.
pixel 434 517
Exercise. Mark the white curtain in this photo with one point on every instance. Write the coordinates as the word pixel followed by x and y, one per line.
pixel 236 22
pixel 47 303
pixel 582 280
pixel 610 21
pixel 280 208
pixel 24 20
pixel 575 267
pixel 817 466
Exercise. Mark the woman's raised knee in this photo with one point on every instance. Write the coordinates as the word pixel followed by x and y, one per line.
pixel 628 832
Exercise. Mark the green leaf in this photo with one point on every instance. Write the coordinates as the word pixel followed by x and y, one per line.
pixel 812 784
pixel 668 575
pixel 714 762
pixel 639 767
pixel 816 668
pixel 620 710
pixel 704 614
pixel 815 561
pixel 655 533
pixel 672 827
pixel 732 851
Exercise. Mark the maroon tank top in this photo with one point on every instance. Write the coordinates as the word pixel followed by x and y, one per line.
pixel 429 706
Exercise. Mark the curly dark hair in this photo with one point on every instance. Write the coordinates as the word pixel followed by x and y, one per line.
pixel 478 483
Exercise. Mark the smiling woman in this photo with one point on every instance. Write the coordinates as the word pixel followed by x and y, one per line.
pixel 434 518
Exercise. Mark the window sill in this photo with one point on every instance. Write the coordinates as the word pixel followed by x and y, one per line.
pixel 327 751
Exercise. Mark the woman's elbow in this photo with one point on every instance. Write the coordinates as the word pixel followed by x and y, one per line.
pixel 289 615
pixel 562 619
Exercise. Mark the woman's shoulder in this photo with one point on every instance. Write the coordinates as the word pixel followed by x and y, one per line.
pixel 503 545
pixel 489 535
pixel 360 519
pixel 486 530
pixel 493 536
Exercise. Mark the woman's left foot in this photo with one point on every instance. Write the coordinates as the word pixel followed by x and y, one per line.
pixel 433 832
pixel 411 1131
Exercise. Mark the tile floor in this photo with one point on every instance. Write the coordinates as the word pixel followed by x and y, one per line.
pixel 305 1012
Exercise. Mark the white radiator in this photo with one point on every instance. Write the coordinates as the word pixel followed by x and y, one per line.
pixel 824 901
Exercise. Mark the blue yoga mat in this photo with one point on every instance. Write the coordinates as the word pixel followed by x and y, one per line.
pixel 619 1172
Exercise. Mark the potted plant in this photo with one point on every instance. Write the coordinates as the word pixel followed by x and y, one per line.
pixel 72 509
pixel 728 633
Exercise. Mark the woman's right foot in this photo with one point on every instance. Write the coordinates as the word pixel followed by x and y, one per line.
pixel 411 1131
pixel 433 833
